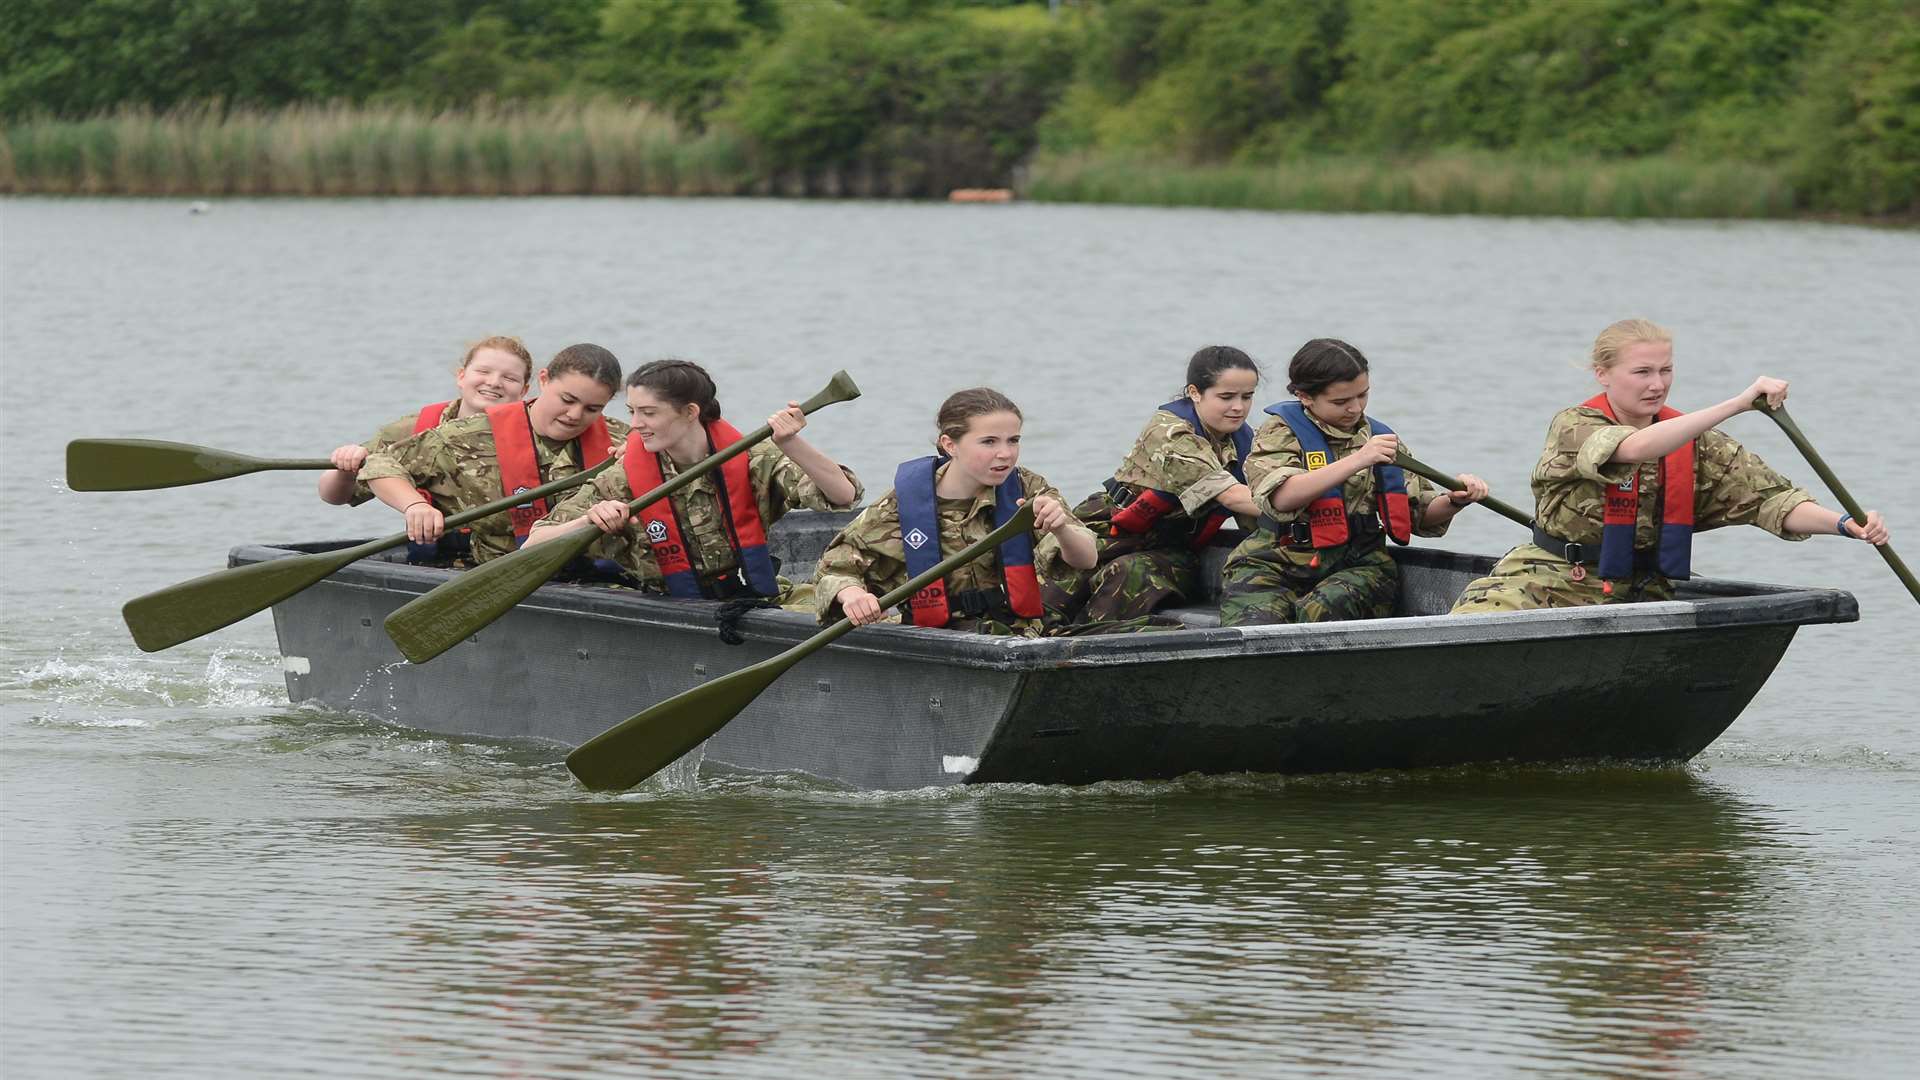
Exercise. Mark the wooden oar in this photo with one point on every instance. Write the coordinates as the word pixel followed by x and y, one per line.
pixel 144 464
pixel 429 625
pixel 638 747
pixel 177 613
pixel 1452 483
pixel 1779 416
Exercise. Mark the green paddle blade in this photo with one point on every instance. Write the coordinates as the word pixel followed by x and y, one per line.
pixel 182 612
pixel 643 744
pixel 434 622
pixel 620 757
pixel 145 464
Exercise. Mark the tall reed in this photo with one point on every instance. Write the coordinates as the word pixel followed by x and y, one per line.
pixel 1444 184
pixel 565 148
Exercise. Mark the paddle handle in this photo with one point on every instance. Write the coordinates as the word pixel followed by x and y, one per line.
pixel 1780 417
pixel 1452 483
pixel 839 388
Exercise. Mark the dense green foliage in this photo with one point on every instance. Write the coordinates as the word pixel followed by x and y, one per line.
pixel 1821 97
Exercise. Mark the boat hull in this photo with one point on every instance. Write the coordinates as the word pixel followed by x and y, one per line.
pixel 895 707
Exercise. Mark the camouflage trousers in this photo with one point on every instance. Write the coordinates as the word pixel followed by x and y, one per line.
pixel 1529 577
pixel 1262 585
pixel 1130 582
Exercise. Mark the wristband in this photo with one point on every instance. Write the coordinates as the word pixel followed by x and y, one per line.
pixel 414 503
pixel 1841 526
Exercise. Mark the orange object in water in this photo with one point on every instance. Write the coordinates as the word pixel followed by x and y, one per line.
pixel 980 194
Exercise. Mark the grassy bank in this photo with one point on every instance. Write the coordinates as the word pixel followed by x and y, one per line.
pixel 579 148
pixel 1446 184
pixel 606 148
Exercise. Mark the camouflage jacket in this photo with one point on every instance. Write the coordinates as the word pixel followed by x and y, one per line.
pixel 1170 456
pixel 398 431
pixel 869 552
pixel 456 463
pixel 779 485
pixel 1731 485
pixel 1277 455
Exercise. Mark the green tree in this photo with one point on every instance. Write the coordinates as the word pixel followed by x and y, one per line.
pixel 674 54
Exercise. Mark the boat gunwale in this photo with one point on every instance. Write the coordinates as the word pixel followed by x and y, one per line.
pixel 1724 604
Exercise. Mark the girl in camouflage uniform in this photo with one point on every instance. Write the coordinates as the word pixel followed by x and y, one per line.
pixel 495 370
pixel 959 494
pixel 460 465
pixel 708 538
pixel 1322 474
pixel 1179 484
pixel 1625 481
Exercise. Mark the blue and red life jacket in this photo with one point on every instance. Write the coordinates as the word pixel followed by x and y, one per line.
pixel 1623 509
pixel 738 507
pixel 1149 505
pixel 1327 515
pixel 513 448
pixel 913 488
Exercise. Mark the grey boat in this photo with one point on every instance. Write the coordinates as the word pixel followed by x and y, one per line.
pixel 896 707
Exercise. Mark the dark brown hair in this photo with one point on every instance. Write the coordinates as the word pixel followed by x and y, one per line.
pixel 1322 362
pixel 592 361
pixel 679 383
pixel 1212 361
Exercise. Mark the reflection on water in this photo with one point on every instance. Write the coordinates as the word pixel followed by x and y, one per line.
pixel 1367 924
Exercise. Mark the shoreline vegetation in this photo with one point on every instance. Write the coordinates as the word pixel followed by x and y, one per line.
pixel 1601 108
pixel 608 148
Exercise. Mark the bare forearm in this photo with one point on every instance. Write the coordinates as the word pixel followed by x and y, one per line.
pixel 546 531
pixel 1660 439
pixel 1077 547
pixel 336 487
pixel 822 470
pixel 1297 491
pixel 396 491
pixel 1239 499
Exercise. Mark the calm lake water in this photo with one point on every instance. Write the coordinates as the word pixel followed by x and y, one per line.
pixel 202 880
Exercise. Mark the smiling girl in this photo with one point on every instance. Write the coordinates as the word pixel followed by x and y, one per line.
pixel 1323 476
pixel 1625 481
pixel 709 538
pixel 495 370
pixel 941 504
pixel 1183 480
pixel 508 448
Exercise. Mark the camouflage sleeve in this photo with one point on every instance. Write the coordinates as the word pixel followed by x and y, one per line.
pixel 1276 456
pixel 1580 443
pixel 1185 463
pixel 787 485
pixel 853 559
pixel 1734 487
pixel 411 459
pixel 388 434
pixel 611 484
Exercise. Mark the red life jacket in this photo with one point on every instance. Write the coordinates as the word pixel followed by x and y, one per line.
pixel 1623 509
pixel 429 419
pixel 513 448
pixel 1327 515
pixel 913 488
pixel 745 531
pixel 1152 504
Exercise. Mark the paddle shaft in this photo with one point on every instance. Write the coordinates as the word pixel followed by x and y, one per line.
pixel 1780 417
pixel 1452 483
pixel 643 744
pixel 430 624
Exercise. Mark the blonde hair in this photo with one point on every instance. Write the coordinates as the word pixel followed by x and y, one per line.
pixel 505 344
pixel 1614 340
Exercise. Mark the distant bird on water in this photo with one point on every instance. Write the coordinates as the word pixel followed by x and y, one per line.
pixel 199 206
